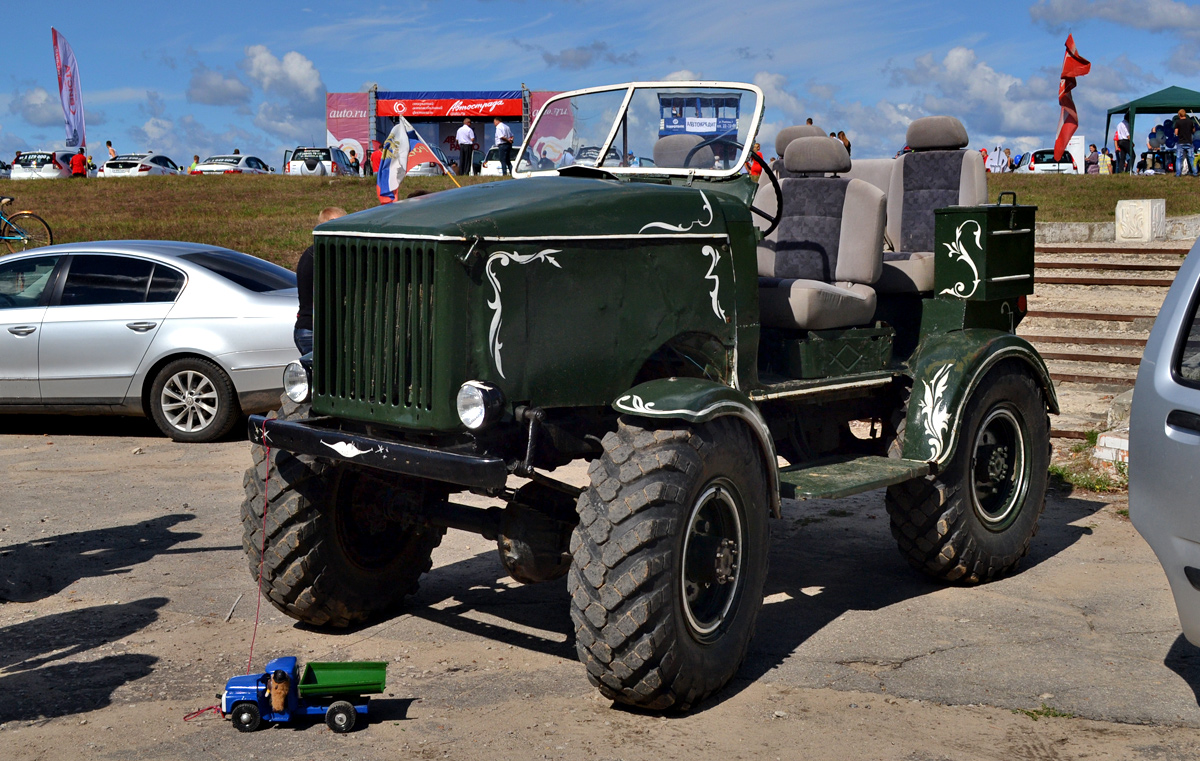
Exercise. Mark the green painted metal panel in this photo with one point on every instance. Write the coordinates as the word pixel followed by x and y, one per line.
pixel 839 477
pixel 945 370
pixel 984 252
pixel 343 678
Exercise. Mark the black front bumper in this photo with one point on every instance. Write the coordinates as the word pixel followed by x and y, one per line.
pixel 393 456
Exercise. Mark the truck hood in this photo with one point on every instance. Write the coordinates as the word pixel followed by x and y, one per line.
pixel 550 207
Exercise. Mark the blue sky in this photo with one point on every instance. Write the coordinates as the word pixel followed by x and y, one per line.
pixel 205 78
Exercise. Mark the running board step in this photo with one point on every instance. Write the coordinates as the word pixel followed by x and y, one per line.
pixel 839 477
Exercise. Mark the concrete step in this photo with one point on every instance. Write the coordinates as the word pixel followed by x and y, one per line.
pixel 1107 266
pixel 1134 340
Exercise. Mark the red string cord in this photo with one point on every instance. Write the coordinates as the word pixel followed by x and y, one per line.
pixel 196 714
pixel 262 553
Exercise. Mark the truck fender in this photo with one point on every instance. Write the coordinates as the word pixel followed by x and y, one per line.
pixel 945 371
pixel 697 400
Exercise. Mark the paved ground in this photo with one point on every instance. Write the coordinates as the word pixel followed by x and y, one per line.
pixel 120 557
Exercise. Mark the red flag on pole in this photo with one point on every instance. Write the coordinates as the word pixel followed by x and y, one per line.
pixel 1074 65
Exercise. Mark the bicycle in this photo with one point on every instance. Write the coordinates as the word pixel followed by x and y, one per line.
pixel 23 230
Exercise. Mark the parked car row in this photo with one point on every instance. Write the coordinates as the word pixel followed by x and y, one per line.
pixel 38 165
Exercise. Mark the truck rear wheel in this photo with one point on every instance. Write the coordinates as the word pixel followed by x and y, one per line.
pixel 669 560
pixel 340 717
pixel 333 556
pixel 974 520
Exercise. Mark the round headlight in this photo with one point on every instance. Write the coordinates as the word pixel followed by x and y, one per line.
pixel 479 404
pixel 295 383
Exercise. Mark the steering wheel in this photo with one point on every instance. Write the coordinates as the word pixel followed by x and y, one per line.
pixel 726 140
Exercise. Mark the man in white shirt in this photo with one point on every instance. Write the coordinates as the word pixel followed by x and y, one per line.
pixel 466 146
pixel 504 145
pixel 1124 147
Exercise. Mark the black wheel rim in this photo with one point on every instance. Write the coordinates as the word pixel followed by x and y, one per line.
pixel 712 560
pixel 367 537
pixel 999 468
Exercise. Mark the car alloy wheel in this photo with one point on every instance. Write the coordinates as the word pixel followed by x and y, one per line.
pixel 189 401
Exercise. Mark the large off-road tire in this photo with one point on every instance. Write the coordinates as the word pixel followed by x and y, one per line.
pixel 669 560
pixel 332 558
pixel 974 520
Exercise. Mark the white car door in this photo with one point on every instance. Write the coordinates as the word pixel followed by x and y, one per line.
pixel 1164 443
pixel 95 335
pixel 23 286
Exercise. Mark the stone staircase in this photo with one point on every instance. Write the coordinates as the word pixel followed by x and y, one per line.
pixel 1090 316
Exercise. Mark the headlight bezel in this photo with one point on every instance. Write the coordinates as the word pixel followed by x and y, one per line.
pixel 487 404
pixel 297 382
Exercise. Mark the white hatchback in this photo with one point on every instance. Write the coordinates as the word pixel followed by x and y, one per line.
pixel 1042 162
pixel 234 163
pixel 138 165
pixel 42 165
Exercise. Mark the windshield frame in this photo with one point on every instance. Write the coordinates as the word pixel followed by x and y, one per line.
pixel 630 87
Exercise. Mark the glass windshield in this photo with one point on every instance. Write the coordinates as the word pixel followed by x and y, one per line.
pixel 663 128
pixel 231 160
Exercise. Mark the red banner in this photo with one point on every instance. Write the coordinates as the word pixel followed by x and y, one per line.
pixel 1074 65
pixel 453 108
pixel 348 122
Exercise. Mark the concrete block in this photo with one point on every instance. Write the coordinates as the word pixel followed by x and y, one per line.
pixel 1141 220
pixel 1118 411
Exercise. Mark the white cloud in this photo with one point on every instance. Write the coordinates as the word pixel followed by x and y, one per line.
pixel 213 88
pixel 278 120
pixel 777 96
pixel 682 75
pixel 1167 17
pixel 37 106
pixel 293 77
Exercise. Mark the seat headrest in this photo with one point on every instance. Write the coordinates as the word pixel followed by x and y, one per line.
pixel 788 134
pixel 816 155
pixel 671 151
pixel 936 133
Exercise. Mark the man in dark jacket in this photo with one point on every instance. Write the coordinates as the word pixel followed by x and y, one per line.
pixel 303 334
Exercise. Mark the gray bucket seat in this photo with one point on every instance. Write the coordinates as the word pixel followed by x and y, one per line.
pixel 828 246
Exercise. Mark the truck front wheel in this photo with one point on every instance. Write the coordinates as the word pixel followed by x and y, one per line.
pixel 333 555
pixel 245 717
pixel 669 560
pixel 974 520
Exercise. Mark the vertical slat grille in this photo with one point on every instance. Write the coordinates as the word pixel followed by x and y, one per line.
pixel 374 320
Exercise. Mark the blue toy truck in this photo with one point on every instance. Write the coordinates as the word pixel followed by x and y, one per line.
pixel 336 691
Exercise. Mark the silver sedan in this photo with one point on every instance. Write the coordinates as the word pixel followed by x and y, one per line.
pixel 189 334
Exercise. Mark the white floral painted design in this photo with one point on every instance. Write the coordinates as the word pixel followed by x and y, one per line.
pixel 959 249
pixel 635 404
pixel 504 257
pixel 933 412
pixel 715 293
pixel 679 228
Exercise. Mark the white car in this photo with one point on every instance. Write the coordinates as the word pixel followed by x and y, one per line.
pixel 188 334
pixel 308 162
pixel 1042 162
pixel 430 168
pixel 41 165
pixel 491 163
pixel 232 164
pixel 138 165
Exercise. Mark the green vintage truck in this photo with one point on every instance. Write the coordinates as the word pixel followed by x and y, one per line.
pixel 707 340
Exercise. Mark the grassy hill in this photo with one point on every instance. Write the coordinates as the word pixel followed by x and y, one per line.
pixel 273 216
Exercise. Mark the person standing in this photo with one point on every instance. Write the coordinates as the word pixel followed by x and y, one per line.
pixel 754 164
pixel 504 145
pixel 1106 162
pixel 195 163
pixel 1185 132
pixel 1091 162
pixel 845 141
pixel 355 164
pixel 112 152
pixel 302 335
pixel 1124 147
pixel 466 146
pixel 79 164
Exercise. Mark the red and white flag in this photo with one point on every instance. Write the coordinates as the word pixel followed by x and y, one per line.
pixel 1074 65
pixel 69 90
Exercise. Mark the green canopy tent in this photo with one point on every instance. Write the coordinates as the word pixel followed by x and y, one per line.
pixel 1166 101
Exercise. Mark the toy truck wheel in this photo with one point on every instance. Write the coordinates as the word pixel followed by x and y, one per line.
pixel 245 717
pixel 974 520
pixel 340 717
pixel 332 557
pixel 669 560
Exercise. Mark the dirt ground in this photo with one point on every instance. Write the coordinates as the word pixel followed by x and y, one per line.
pixel 120 557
